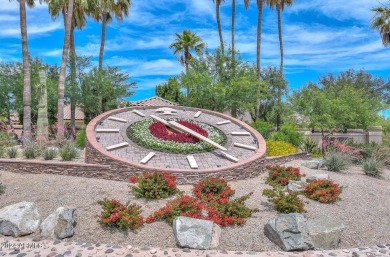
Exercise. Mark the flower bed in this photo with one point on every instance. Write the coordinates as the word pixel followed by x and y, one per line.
pixel 159 130
pixel 324 191
pixel 279 175
pixel 140 133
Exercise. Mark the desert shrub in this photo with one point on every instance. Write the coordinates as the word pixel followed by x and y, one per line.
pixel 280 175
pixel 154 185
pixel 263 127
pixel 32 151
pixel 307 145
pixel 211 188
pixel 12 152
pixel 50 153
pixel 68 151
pixel 324 191
pixel 353 151
pixel 284 202
pixel 317 154
pixel 337 161
pixel 287 133
pixel 372 167
pixel 279 148
pixel 116 214
pixel 80 137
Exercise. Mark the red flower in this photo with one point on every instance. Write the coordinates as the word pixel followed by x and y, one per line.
pixel 133 179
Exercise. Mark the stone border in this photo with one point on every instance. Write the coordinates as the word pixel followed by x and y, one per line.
pixel 106 172
pixel 248 168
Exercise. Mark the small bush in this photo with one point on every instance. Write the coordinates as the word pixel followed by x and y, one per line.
pixel 337 161
pixel 68 151
pixel 116 214
pixel 279 148
pixel 284 202
pixel 279 175
pixel 308 145
pixel 50 154
pixel 154 185
pixel 12 152
pixel 287 134
pixel 263 127
pixel 324 191
pixel 372 167
pixel 32 151
pixel 80 138
pixel 211 188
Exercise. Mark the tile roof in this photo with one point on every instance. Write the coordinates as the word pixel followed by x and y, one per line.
pixel 79 113
pixel 154 101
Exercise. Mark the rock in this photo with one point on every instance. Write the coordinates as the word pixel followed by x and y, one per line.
pixel 19 219
pixel 289 232
pixel 60 224
pixel 312 164
pixel 296 186
pixel 196 233
pixel 311 178
pixel 325 232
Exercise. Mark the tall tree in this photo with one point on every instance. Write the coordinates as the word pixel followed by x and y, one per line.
pixel 381 22
pixel 184 43
pixel 27 136
pixel 217 12
pixel 104 12
pixel 246 3
pixel 280 4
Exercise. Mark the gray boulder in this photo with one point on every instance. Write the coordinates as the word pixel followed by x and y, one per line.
pixel 19 219
pixel 196 233
pixel 289 232
pixel 311 178
pixel 60 224
pixel 296 186
pixel 312 164
pixel 325 232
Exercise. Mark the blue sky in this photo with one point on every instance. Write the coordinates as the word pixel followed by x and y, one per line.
pixel 320 36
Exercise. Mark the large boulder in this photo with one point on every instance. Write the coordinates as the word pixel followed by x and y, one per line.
pixel 196 233
pixel 311 178
pixel 60 224
pixel 289 232
pixel 325 232
pixel 19 219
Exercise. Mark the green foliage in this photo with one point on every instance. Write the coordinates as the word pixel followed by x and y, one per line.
pixel 324 191
pixel 154 185
pixel 68 151
pixel 263 127
pixel 81 137
pixel 50 153
pixel 279 148
pixel 372 167
pixel 351 100
pixel 170 90
pixel 32 150
pixel 2 151
pixel 12 152
pixel 123 216
pixel 308 145
pixel 280 175
pixel 287 134
pixel 336 161
pixel 284 202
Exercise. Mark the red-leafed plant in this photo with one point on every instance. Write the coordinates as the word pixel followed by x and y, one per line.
pixel 161 131
pixel 154 185
pixel 324 191
pixel 280 175
pixel 211 188
pixel 116 214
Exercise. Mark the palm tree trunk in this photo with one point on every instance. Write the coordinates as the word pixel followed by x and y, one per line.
pixel 280 39
pixel 61 85
pixel 103 39
pixel 27 137
pixel 72 56
pixel 217 4
pixel 233 23
pixel 259 21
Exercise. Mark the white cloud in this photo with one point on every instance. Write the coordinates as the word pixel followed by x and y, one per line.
pixel 157 67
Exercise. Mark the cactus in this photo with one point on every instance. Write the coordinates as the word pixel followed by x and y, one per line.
pixel 42 123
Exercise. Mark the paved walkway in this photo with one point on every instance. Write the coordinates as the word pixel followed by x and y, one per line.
pixel 27 246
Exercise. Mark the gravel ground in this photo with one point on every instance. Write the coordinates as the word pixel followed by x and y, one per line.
pixel 364 208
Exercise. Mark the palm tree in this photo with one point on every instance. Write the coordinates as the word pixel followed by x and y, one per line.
pixel 217 5
pixel 381 22
pixel 279 8
pixel 104 12
pixel 27 136
pixel 260 5
pixel 183 44
pixel 246 3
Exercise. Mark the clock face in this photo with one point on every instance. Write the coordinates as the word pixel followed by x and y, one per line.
pixel 178 138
